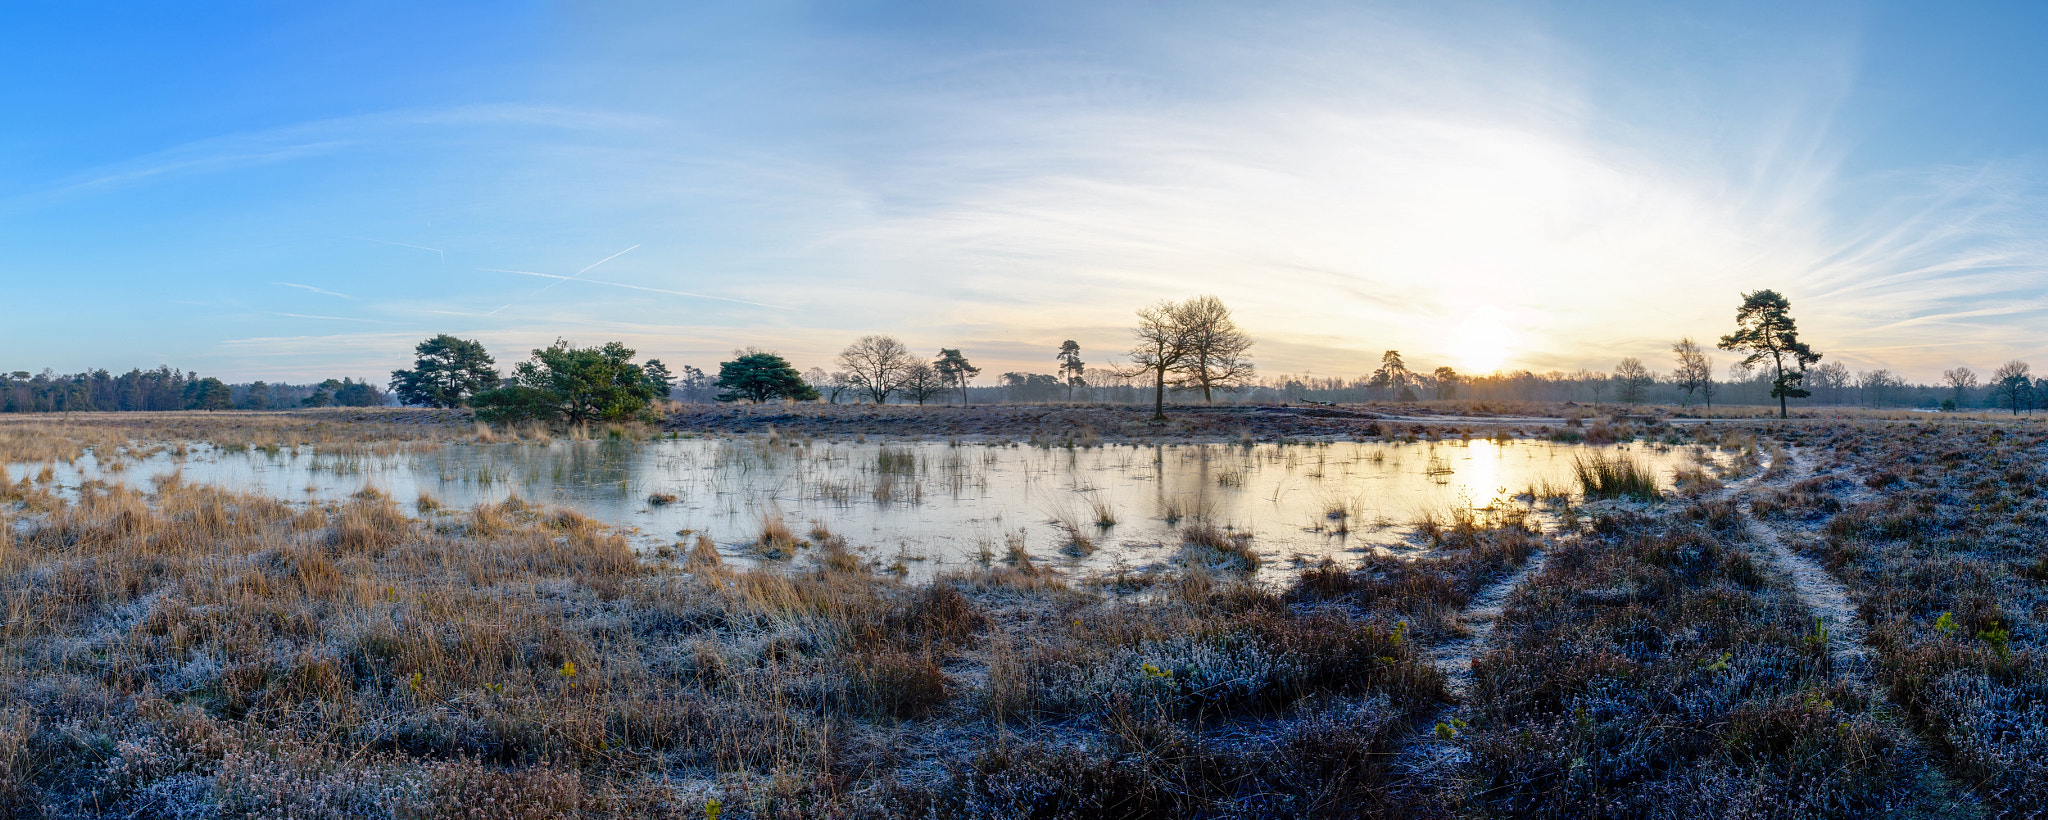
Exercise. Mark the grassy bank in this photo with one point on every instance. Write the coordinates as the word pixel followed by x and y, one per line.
pixel 190 652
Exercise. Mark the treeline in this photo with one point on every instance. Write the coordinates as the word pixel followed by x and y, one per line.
pixel 1875 388
pixel 1184 350
pixel 1190 345
pixel 167 388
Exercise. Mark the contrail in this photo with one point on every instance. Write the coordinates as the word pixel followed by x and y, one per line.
pixel 586 268
pixel 313 289
pixel 560 279
pixel 444 255
pixel 333 318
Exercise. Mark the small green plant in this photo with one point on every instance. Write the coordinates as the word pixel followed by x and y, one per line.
pixel 1946 624
pixel 1818 638
pixel 1721 664
pixel 711 809
pixel 1998 636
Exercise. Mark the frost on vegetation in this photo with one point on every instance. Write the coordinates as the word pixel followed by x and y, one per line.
pixel 1999 733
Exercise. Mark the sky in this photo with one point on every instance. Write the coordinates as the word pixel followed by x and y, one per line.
pixel 298 191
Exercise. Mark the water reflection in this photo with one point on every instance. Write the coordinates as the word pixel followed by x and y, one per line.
pixel 930 506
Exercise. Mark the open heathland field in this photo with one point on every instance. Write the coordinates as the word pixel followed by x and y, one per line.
pixel 1818 618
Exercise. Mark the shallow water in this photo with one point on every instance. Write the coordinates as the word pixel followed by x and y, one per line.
pixel 927 507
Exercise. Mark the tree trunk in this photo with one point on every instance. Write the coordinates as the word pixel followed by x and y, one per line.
pixel 1159 394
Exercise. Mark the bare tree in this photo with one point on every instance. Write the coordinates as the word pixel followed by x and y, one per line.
pixel 1162 344
pixel 1594 381
pixel 1215 357
pixel 1831 380
pixel 875 365
pixel 1694 368
pixel 1877 385
pixel 1961 380
pixel 1631 380
pixel 921 381
pixel 1107 379
pixel 2012 385
pixel 821 381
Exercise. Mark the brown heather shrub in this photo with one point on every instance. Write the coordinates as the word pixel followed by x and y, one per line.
pixel 1935 547
pixel 1654 669
pixel 893 683
pixel 1427 591
pixel 938 613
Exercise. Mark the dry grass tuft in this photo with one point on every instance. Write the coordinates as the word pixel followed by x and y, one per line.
pixel 1615 476
pixel 1210 546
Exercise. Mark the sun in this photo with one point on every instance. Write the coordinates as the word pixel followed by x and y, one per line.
pixel 1484 344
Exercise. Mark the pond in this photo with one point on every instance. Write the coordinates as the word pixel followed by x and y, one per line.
pixel 922 508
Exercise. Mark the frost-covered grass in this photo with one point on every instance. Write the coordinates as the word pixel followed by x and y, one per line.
pixel 1940 534
pixel 1654 668
pixel 191 652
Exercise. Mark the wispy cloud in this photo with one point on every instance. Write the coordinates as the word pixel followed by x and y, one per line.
pixel 328 136
pixel 330 318
pixel 443 255
pixel 560 278
pixel 1349 179
pixel 312 289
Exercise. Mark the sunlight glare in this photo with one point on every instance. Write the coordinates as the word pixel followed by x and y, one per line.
pixel 1483 343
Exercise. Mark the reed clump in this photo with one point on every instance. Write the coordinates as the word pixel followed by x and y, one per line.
pixel 1208 545
pixel 1615 476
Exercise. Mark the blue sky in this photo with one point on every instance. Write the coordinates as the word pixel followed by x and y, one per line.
pixel 297 191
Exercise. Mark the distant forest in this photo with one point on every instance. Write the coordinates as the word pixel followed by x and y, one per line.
pixel 166 388
pixel 1878 388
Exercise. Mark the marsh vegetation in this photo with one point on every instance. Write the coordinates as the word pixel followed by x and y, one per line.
pixel 934 507
pixel 180 646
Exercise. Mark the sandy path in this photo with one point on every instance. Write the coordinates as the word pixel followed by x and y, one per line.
pixel 1433 761
pixel 1849 654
